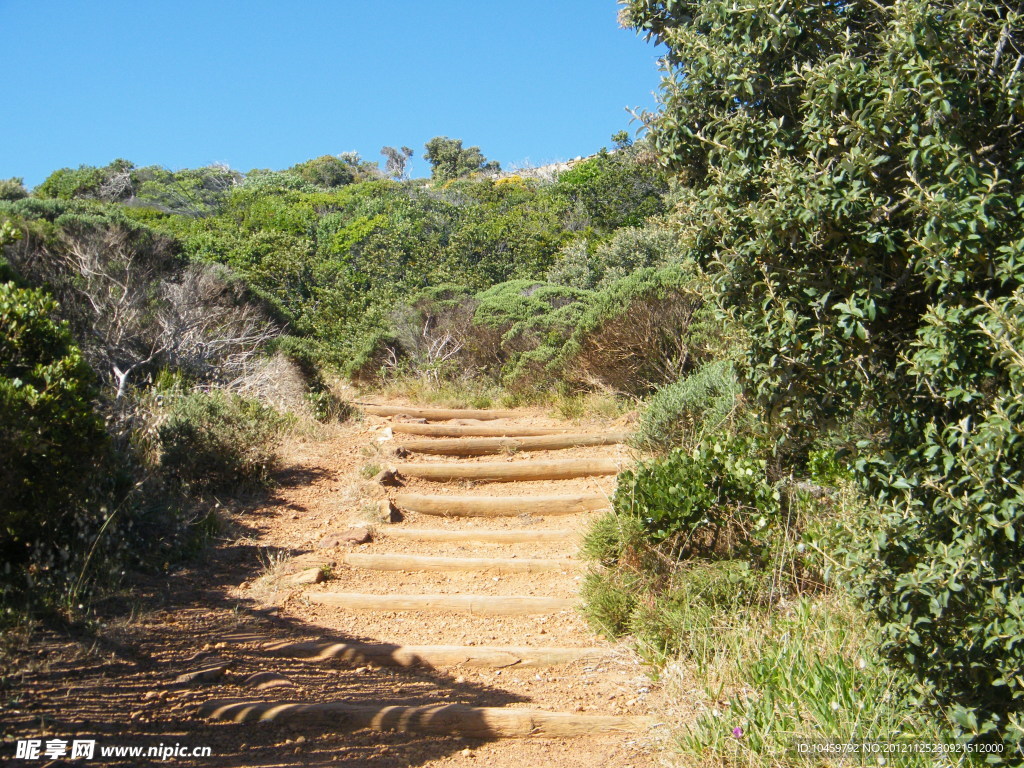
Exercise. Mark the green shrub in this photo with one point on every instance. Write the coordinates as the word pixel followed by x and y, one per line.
pixel 54 453
pixel 13 189
pixel 643 331
pixel 609 600
pixel 613 189
pixel 581 265
pixel 216 441
pixel 714 501
pixel 687 412
pixel 854 174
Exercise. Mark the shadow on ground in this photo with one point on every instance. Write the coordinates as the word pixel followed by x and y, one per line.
pixel 113 681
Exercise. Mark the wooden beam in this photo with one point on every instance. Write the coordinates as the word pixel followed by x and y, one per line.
pixel 439 414
pixel 487 430
pixel 389 562
pixel 500 506
pixel 483 446
pixel 433 655
pixel 510 471
pixel 445 719
pixel 476 605
pixel 485 537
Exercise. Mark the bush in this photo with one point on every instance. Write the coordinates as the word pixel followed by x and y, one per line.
pixel 613 189
pixel 853 172
pixel 644 331
pixel 715 501
pixel 54 467
pixel 689 411
pixel 581 265
pixel 13 189
pixel 217 442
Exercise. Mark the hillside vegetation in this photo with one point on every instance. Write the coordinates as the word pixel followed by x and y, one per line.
pixel 806 278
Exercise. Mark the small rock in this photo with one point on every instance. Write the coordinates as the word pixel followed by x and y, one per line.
pixel 389 513
pixel 350 536
pixel 309 576
pixel 388 477
pixel 204 675
pixel 467 752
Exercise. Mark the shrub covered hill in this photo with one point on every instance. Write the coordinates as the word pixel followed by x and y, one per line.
pixel 806 280
pixel 160 328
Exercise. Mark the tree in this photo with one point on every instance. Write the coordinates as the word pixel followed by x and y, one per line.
pixel 396 161
pixel 449 160
pixel 13 189
pixel 325 171
pixel 853 173
pixel 51 439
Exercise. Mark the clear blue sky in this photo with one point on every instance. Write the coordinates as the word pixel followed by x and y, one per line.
pixel 260 84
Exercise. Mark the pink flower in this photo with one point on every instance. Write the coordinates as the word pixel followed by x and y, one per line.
pixel 737 731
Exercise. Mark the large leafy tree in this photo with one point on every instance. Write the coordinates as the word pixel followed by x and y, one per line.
pixel 854 172
pixel 450 160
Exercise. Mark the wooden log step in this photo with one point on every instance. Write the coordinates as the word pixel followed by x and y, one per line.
pixel 485 537
pixel 447 719
pixel 500 506
pixel 433 655
pixel 388 562
pixel 438 414
pixel 510 471
pixel 483 446
pixel 476 605
pixel 487 430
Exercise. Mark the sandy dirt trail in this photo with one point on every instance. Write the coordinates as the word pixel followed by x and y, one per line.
pixel 287 648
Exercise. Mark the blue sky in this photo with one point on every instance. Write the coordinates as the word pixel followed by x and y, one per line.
pixel 261 84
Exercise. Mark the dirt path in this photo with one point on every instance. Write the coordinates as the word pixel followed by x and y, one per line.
pixel 299 675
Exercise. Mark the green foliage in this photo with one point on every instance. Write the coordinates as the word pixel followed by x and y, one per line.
pixel 609 600
pixel 56 467
pixel 215 441
pixel 449 160
pixel 50 435
pixel 688 412
pixel 644 331
pixel 713 501
pixel 68 183
pixel 628 249
pixel 189 192
pixel 613 189
pixel 853 174
pixel 12 189
pixel 330 171
pixel 807 676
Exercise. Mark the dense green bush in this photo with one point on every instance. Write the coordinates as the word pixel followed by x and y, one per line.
pixel 12 189
pixel 613 189
pixel 50 435
pixel 713 501
pixel 853 173
pixel 215 441
pixel 689 411
pixel 450 160
pixel 581 265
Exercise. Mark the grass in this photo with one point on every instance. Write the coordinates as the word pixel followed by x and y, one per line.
pixel 758 681
pixel 476 394
pixel 750 669
pixel 443 394
pixel 370 471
